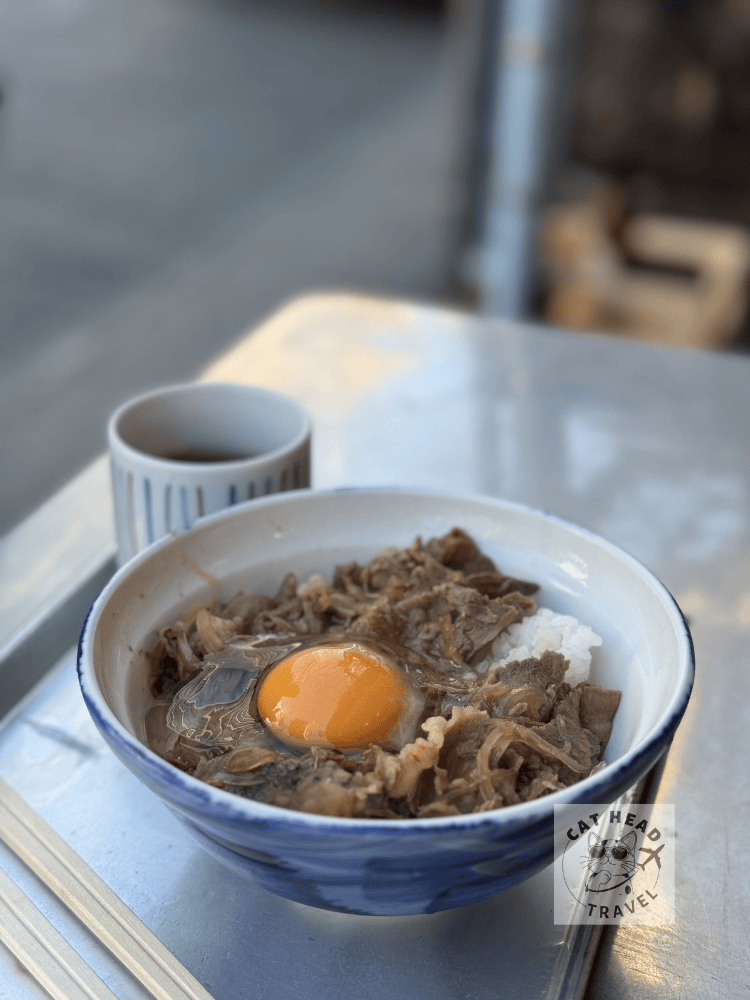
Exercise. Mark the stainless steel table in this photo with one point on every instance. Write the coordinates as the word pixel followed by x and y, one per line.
pixel 648 446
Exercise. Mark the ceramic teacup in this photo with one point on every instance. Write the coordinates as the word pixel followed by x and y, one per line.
pixel 183 451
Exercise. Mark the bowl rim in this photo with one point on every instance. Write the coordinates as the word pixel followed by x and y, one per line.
pixel 192 794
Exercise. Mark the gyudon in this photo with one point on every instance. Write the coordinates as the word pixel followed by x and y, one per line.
pixel 425 683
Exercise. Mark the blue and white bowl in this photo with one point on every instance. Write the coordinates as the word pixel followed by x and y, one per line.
pixel 386 866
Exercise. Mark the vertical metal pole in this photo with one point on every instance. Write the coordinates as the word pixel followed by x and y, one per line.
pixel 531 90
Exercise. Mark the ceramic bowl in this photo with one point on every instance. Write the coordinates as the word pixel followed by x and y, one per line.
pixel 386 866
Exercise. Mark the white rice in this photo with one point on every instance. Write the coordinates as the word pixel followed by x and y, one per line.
pixel 547 630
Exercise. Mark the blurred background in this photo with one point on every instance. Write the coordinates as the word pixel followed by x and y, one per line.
pixel 171 171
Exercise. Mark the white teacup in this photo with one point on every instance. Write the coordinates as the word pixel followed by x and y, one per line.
pixel 183 451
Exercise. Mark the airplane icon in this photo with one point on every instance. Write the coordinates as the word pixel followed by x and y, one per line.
pixel 652 856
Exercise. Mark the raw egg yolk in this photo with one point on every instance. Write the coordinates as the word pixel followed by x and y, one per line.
pixel 334 696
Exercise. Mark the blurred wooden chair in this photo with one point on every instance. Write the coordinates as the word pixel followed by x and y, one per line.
pixel 689 287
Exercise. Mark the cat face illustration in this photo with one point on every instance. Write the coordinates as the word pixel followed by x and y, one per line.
pixel 610 867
